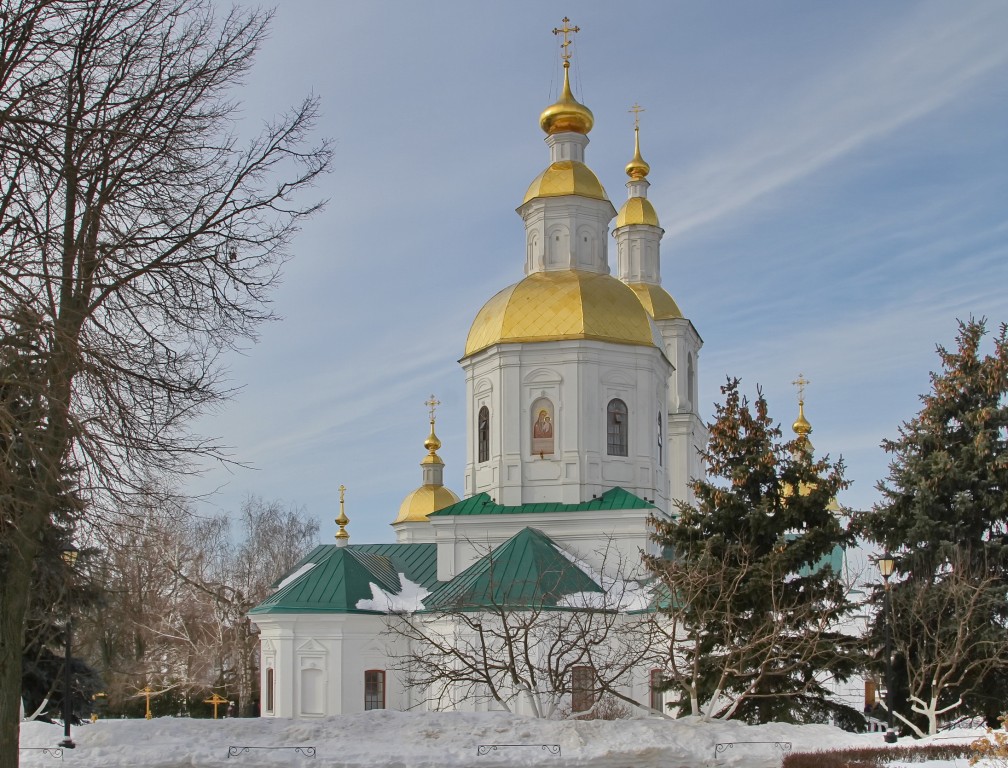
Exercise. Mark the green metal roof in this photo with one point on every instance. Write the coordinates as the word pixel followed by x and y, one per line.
pixel 341 576
pixel 482 504
pixel 526 571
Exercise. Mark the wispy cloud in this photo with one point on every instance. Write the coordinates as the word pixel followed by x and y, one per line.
pixel 931 61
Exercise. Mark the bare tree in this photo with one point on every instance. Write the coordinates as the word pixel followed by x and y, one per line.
pixel 232 577
pixel 138 240
pixel 179 588
pixel 945 633
pixel 530 643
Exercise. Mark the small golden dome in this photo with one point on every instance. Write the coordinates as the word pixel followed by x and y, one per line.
pixel 657 301
pixel 566 304
pixel 566 177
pixel 801 426
pixel 567 114
pixel 637 210
pixel 424 500
pixel 432 443
pixel 637 169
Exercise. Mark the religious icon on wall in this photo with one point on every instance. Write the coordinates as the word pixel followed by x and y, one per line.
pixel 542 427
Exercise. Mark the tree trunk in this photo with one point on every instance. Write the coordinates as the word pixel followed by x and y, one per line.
pixel 16 583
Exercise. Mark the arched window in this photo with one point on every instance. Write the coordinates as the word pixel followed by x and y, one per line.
pixel 616 420
pixel 483 434
pixel 690 382
pixel 660 440
pixel 374 689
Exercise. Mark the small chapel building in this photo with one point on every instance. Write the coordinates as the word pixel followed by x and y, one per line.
pixel 582 423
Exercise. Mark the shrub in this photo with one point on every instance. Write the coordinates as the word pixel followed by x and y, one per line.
pixel 993 747
pixel 874 757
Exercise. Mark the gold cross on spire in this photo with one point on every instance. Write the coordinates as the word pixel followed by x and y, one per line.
pixel 432 403
pixel 801 382
pixel 636 109
pixel 565 30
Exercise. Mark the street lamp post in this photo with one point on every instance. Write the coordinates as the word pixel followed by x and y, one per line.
pixel 886 566
pixel 69 557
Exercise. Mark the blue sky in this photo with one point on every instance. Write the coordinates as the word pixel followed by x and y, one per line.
pixel 832 179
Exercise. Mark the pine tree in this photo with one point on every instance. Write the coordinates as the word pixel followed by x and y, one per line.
pixel 945 502
pixel 749 575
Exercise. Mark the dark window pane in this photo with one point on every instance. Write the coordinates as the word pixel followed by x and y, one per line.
pixel 617 433
pixel 374 689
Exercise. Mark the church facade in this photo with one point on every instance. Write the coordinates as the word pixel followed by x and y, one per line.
pixel 582 423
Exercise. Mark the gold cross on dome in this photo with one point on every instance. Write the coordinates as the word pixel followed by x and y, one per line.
pixel 432 403
pixel 565 30
pixel 342 490
pixel 636 109
pixel 801 382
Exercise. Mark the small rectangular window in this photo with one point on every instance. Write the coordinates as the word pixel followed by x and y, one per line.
pixel 374 689
pixel 657 684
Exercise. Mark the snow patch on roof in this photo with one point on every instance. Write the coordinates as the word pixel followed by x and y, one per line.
pixel 618 594
pixel 296 575
pixel 409 598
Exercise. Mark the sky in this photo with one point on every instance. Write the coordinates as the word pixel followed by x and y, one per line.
pixel 832 179
pixel 441 740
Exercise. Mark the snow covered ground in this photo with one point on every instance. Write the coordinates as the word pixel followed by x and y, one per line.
pixel 436 740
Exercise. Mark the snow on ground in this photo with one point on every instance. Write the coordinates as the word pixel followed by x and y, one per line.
pixel 434 740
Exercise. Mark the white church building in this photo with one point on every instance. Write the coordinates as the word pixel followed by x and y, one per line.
pixel 581 423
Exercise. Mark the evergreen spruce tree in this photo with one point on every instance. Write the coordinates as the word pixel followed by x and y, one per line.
pixel 760 631
pixel 945 500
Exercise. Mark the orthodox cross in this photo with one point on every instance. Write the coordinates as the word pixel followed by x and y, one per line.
pixel 432 403
pixel 801 382
pixel 636 109
pixel 216 700
pixel 342 490
pixel 565 30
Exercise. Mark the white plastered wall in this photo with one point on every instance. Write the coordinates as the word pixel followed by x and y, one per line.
pixel 579 377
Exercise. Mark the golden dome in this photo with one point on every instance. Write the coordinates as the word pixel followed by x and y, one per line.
pixel 432 443
pixel 656 301
pixel 566 304
pixel 567 114
pixel 637 210
pixel 637 169
pixel 566 177
pixel 801 426
pixel 424 500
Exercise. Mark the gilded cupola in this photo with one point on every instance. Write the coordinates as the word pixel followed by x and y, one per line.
pixel 432 495
pixel 566 114
pixel 637 209
pixel 801 426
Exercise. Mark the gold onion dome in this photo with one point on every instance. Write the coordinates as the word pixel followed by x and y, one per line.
pixel 566 177
pixel 637 169
pixel 561 305
pixel 801 426
pixel 424 500
pixel 432 444
pixel 429 497
pixel 566 114
pixel 657 301
pixel 637 210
